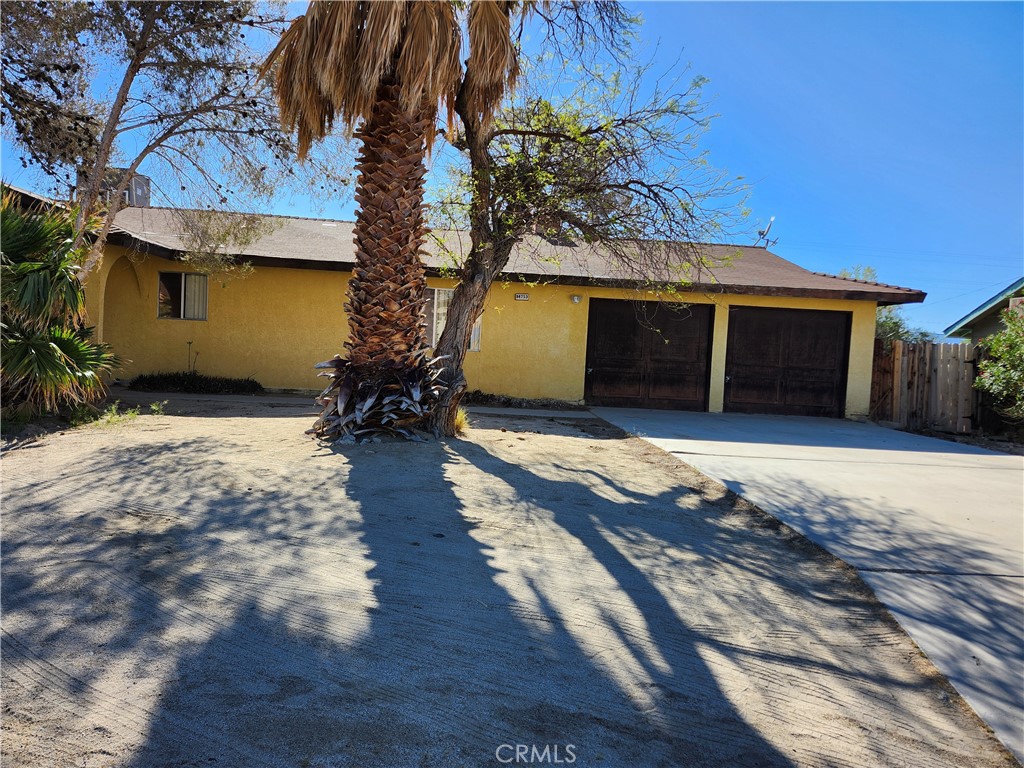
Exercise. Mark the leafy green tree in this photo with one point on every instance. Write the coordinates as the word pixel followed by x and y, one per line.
pixel 48 360
pixel 588 157
pixel 892 325
pixel 1001 374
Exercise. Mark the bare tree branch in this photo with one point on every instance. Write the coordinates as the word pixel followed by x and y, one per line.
pixel 187 84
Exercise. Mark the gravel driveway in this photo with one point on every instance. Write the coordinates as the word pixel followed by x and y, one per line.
pixel 213 589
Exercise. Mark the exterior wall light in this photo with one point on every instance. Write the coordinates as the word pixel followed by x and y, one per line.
pixel 576 298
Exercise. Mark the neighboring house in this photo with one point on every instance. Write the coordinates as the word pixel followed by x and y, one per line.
pixel 25 199
pixel 985 319
pixel 757 333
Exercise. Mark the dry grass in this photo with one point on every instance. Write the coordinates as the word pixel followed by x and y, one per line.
pixel 461 421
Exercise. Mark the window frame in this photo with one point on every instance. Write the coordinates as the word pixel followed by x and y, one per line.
pixel 436 328
pixel 184 293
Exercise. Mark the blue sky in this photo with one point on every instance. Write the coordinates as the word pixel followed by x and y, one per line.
pixel 880 134
pixel 884 134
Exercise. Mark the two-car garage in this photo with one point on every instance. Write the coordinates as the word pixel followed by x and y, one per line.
pixel 659 355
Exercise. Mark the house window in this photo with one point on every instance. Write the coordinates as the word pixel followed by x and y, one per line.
pixel 181 296
pixel 436 311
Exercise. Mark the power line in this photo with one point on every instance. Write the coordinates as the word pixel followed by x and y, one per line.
pixel 917 255
pixel 968 293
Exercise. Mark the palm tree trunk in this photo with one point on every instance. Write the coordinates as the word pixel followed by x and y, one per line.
pixel 386 293
pixel 386 384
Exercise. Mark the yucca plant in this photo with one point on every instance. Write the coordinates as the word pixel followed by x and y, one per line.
pixel 48 360
pixel 394 401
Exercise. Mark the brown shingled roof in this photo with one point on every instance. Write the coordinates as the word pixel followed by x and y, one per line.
pixel 328 244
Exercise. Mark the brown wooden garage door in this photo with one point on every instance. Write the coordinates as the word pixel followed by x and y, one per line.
pixel 786 361
pixel 647 355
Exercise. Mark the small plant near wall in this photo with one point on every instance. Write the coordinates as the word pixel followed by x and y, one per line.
pixel 1001 373
pixel 110 416
pixel 191 382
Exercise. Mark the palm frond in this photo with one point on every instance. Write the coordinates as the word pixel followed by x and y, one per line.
pixel 47 360
pixel 429 66
pixel 493 56
pixel 53 368
pixel 331 62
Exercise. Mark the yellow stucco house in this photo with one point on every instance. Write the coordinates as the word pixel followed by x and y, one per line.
pixel 756 333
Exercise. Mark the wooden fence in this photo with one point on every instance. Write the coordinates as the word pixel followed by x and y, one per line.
pixel 925 386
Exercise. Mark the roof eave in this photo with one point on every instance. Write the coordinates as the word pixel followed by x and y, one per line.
pixel 961 328
pixel 127 240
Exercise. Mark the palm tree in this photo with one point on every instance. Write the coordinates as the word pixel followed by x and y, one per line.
pixel 49 360
pixel 388 66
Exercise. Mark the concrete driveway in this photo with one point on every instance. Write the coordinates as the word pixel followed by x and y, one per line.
pixel 936 528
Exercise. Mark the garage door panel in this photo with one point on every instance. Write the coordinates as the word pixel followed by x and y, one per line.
pixel 647 355
pixel 674 387
pixel 755 390
pixel 617 384
pixel 786 361
pixel 814 394
pixel 814 346
pixel 619 338
pixel 798 375
pixel 676 351
pixel 754 342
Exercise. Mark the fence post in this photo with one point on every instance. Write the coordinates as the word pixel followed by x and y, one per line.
pixel 899 377
pixel 966 412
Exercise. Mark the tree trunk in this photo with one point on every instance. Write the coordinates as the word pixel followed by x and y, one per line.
pixel 484 263
pixel 386 293
pixel 384 385
pixel 465 308
pixel 88 198
pixel 467 304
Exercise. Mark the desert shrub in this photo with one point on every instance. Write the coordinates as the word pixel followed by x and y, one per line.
pixel 1001 373
pixel 461 421
pixel 476 397
pixel 192 382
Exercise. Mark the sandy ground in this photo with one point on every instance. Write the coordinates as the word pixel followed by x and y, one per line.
pixel 214 589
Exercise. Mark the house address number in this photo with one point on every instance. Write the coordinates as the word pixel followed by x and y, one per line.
pixel 522 297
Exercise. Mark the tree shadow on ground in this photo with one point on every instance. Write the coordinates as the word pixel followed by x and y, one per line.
pixel 959 595
pixel 355 618
pixel 794 606
pixel 419 605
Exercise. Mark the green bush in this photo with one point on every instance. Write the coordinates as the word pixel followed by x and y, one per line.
pixel 194 383
pixel 1001 374
pixel 49 360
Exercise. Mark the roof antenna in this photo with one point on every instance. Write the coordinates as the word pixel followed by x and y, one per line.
pixel 762 234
